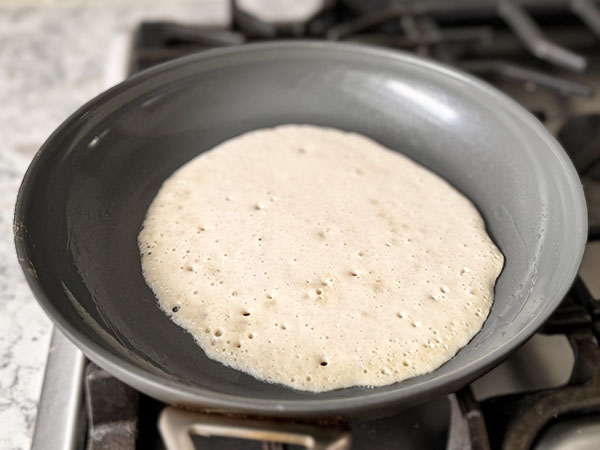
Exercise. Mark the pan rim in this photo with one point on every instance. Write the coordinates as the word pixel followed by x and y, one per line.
pixel 158 387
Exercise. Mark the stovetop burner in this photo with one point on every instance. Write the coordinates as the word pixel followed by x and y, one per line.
pixel 546 55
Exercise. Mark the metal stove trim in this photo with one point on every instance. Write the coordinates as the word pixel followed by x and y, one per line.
pixel 60 421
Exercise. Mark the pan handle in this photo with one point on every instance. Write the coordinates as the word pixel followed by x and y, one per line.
pixel 177 427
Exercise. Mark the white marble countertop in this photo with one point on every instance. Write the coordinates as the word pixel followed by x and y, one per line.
pixel 52 60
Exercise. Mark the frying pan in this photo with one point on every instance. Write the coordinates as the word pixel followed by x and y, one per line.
pixel 84 197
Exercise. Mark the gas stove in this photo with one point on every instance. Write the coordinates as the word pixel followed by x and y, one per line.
pixel 544 54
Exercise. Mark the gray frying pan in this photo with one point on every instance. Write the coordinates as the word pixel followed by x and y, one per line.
pixel 84 197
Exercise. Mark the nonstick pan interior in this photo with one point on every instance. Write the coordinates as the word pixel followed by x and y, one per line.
pixel 84 198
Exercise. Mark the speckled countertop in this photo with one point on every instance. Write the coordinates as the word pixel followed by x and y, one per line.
pixel 52 60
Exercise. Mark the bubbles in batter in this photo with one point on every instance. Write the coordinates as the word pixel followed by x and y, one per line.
pixel 318 259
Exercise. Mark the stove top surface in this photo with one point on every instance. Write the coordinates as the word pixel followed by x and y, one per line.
pixel 544 54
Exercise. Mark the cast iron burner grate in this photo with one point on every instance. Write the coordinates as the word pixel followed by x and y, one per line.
pixel 516 421
pixel 504 42
pixel 490 38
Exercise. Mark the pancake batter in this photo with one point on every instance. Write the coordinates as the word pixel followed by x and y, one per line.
pixel 318 259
